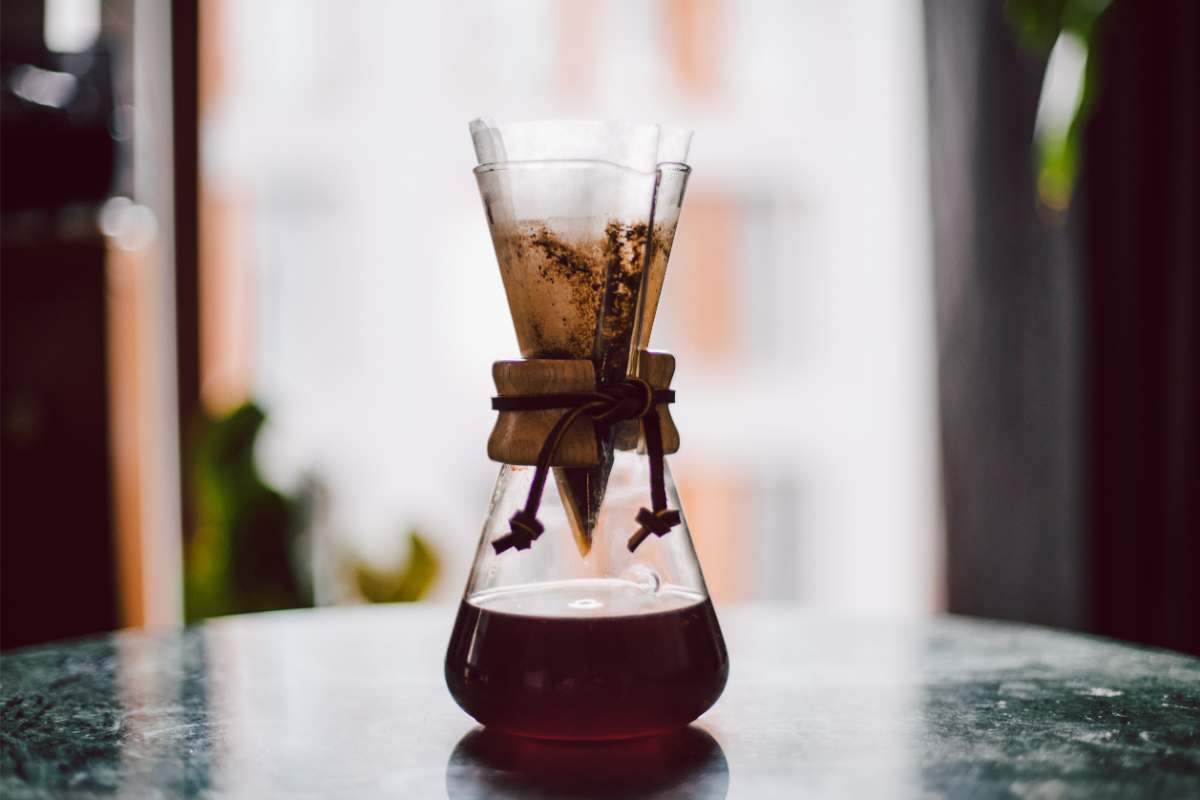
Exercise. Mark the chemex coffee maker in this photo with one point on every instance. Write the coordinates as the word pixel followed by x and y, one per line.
pixel 585 615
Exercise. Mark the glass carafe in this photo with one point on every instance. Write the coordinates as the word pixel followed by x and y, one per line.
pixel 595 623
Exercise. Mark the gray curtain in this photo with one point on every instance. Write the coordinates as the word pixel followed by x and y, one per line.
pixel 1007 322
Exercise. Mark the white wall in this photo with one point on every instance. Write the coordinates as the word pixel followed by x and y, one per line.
pixel 344 127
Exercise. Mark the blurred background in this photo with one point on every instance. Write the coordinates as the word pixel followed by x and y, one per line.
pixel 934 299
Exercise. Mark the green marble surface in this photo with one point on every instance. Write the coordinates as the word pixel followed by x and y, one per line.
pixel 351 703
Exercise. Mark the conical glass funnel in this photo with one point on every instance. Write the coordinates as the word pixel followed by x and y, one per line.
pixel 586 634
pixel 571 208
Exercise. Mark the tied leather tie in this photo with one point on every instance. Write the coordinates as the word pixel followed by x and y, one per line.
pixel 631 399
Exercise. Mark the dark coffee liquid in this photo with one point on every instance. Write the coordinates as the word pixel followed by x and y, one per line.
pixel 586 660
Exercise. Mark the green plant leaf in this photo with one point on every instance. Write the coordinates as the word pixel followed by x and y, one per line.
pixel 239 558
pixel 406 584
pixel 1037 26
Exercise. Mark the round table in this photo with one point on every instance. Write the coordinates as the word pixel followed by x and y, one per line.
pixel 350 702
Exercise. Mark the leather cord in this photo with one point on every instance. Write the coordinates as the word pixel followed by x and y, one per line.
pixel 632 398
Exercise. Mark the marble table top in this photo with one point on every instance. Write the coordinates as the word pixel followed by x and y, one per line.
pixel 350 702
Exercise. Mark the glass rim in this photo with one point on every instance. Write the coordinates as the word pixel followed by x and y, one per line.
pixel 495 166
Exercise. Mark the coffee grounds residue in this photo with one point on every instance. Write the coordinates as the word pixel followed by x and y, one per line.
pixel 574 298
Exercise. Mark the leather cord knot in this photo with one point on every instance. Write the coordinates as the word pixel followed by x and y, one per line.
pixel 657 522
pixel 524 529
pixel 632 398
